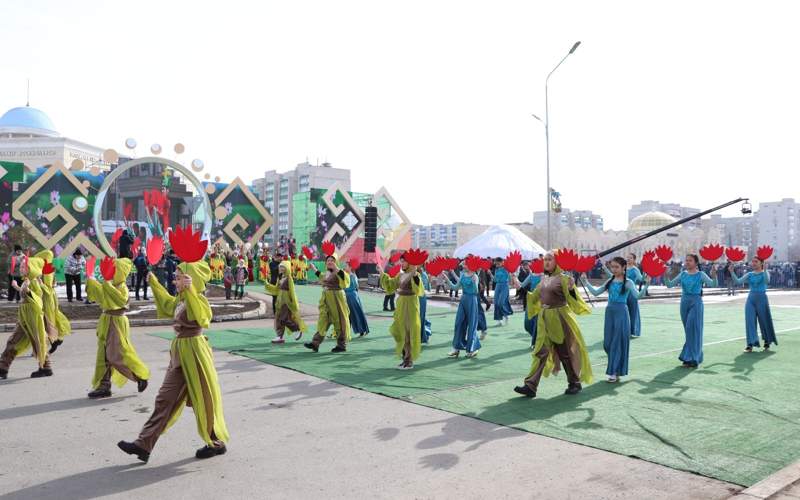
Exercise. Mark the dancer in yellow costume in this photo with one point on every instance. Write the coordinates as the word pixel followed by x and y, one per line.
pixel 56 323
pixel 407 323
pixel 116 360
pixel 217 265
pixel 191 377
pixel 558 340
pixel 287 312
pixel 30 331
pixel 300 270
pixel 333 309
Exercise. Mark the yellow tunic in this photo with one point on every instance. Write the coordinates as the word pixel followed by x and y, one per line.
pixel 407 322
pixel 551 330
pixel 51 310
pixel 197 360
pixel 217 265
pixel 113 296
pixel 287 297
pixel 333 310
pixel 31 317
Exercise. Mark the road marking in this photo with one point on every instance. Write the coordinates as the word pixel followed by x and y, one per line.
pixel 651 354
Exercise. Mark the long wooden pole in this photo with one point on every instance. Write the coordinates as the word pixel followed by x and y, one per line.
pixel 667 227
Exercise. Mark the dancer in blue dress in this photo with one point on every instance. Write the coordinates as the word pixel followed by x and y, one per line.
pixel 465 334
pixel 757 314
pixel 425 330
pixel 531 319
pixel 616 332
pixel 358 320
pixel 634 275
pixel 692 280
pixel 502 301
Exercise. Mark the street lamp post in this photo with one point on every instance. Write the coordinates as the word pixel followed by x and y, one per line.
pixel 546 123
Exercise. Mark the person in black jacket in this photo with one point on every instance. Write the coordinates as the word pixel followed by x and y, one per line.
pixel 141 273
pixel 274 270
pixel 14 274
pixel 125 243
pixel 522 292
pixel 170 266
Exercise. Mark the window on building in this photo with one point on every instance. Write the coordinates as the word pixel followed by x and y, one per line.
pixel 303 184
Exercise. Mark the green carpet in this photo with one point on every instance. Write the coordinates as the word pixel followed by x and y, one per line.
pixel 735 418
pixel 309 294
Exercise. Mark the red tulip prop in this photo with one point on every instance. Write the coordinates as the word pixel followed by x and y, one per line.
pixel 712 252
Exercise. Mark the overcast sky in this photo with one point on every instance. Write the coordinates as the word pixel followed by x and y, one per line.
pixel 688 102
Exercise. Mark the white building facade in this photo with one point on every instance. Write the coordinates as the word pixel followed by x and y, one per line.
pixel 28 136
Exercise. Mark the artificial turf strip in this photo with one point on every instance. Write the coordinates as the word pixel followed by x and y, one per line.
pixel 309 294
pixel 735 418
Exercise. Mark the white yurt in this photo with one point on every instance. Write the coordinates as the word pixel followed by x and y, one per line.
pixel 499 241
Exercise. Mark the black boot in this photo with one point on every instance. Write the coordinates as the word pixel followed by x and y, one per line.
pixel 573 389
pixel 339 349
pixel 54 346
pixel 3 374
pixel 100 393
pixel 525 391
pixel 210 451
pixel 42 372
pixel 141 385
pixel 310 345
pixel 132 449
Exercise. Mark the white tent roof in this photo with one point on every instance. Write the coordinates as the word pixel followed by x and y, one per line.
pixel 499 241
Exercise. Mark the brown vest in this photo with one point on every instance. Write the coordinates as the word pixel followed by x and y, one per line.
pixel 184 328
pixel 331 281
pixel 552 292
pixel 404 284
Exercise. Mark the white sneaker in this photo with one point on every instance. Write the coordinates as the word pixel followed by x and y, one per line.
pixel 405 367
pixel 612 379
pixel 453 354
pixel 499 323
pixel 505 321
pixel 298 335
pixel 278 340
pixel 472 354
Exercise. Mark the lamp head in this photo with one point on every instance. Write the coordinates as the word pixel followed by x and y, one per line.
pixel 574 47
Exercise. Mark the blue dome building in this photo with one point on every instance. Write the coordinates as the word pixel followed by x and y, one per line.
pixel 27 121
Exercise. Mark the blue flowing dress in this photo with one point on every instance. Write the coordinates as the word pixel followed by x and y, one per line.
pixel 502 302
pixel 465 333
pixel 617 327
pixel 425 330
pixel 757 314
pixel 531 324
pixel 358 320
pixel 692 313
pixel 635 275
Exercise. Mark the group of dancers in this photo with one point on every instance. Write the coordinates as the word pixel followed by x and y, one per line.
pixel 555 302
pixel 191 378
pixel 550 313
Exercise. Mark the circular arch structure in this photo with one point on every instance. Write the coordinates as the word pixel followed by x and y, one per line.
pixel 112 176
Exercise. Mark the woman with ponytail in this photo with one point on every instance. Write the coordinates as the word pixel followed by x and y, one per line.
pixel 632 273
pixel 616 332
pixel 692 280
pixel 757 314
